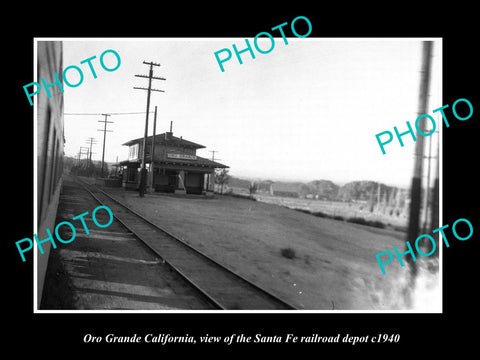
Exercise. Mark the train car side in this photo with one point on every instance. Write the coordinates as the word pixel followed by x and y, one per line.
pixel 50 150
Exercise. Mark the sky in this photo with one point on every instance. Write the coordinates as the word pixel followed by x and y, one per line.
pixel 305 111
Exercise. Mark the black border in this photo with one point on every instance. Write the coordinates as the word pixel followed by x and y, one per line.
pixel 419 332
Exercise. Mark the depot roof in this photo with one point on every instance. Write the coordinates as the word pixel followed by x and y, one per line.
pixel 166 138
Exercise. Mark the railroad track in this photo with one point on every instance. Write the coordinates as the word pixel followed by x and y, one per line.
pixel 222 287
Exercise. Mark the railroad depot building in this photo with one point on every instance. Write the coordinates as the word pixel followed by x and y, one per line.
pixel 176 166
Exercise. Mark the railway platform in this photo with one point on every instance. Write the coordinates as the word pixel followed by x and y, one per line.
pixel 109 269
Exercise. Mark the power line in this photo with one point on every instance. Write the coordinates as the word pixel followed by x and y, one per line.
pixel 120 113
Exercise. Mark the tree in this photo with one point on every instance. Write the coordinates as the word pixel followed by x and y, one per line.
pixel 252 188
pixel 221 178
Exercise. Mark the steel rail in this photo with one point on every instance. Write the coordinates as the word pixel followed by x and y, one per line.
pixel 214 301
pixel 191 282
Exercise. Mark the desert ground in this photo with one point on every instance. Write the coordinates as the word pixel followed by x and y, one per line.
pixel 311 262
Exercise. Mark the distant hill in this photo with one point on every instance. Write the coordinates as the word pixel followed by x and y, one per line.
pixel 360 190
pixel 324 189
pixel 364 190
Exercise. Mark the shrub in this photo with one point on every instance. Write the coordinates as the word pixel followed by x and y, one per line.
pixel 288 253
pixel 362 221
pixel 320 214
pixel 305 211
pixel 358 220
pixel 377 224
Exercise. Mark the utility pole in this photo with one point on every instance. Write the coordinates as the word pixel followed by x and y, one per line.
pixel 416 187
pixel 213 154
pixel 78 158
pixel 83 150
pixel 104 138
pixel 91 141
pixel 427 187
pixel 143 178
pixel 214 172
pixel 434 220
pixel 152 152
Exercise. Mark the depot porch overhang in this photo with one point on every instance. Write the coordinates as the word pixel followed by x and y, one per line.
pixel 199 164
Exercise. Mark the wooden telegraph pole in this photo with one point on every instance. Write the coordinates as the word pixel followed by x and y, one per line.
pixel 91 141
pixel 416 187
pixel 104 138
pixel 143 178
pixel 152 151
